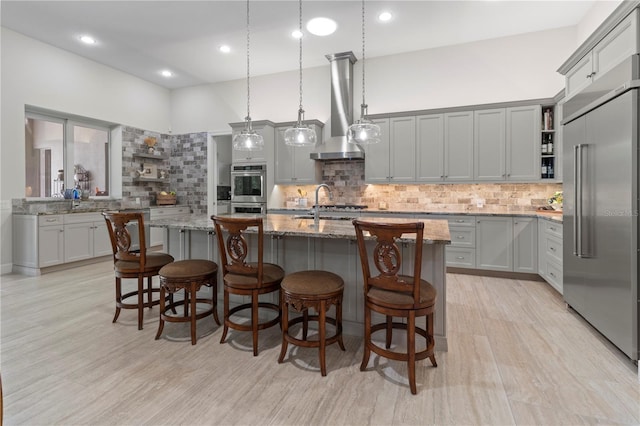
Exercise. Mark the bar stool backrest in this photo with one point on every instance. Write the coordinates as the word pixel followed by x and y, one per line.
pixel 386 256
pixel 235 250
pixel 120 237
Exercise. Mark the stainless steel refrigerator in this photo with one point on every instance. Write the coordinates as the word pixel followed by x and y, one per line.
pixel 600 212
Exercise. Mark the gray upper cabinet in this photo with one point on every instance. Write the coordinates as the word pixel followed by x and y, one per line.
pixel 266 154
pixel 377 166
pixel 523 147
pixel 489 145
pixel 458 143
pixel 293 163
pixel 618 44
pixel 402 149
pixel 430 148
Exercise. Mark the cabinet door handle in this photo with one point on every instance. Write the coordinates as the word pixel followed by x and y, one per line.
pixel 62 230
pixel 552 228
pixel 460 237
pixel 460 257
pixel 552 248
pixel 460 220
pixel 552 274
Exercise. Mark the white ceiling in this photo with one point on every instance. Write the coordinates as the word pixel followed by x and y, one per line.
pixel 144 37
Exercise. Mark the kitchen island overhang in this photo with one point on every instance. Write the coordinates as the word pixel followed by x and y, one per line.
pixel 296 245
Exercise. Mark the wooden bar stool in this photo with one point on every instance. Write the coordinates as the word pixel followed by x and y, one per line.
pixel 311 289
pixel 391 294
pixel 188 275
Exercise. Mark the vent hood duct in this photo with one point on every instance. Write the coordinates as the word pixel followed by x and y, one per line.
pixel 337 147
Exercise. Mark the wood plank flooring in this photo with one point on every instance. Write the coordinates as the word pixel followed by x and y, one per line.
pixel 516 356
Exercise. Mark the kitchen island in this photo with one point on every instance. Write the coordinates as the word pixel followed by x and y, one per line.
pixel 296 245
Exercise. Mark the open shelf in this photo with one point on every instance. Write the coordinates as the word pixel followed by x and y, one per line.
pixel 152 156
pixel 140 179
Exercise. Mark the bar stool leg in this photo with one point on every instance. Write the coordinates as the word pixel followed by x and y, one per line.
pixel 339 323
pixel 161 323
pixel 118 298
pixel 226 316
pixel 214 299
pixel 140 302
pixel 254 321
pixel 321 337
pixel 367 338
pixel 411 347
pixel 305 324
pixel 192 296
pixel 285 330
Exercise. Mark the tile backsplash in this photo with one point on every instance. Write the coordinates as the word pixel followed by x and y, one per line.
pixel 346 179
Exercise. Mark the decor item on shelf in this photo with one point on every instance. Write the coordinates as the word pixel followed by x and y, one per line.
pixel 150 142
pixel 556 200
pixel 248 139
pixel 300 134
pixel 166 198
pixel 363 131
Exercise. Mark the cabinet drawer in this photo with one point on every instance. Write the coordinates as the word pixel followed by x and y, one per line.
pixel 462 221
pixel 553 248
pixel 83 218
pixel 553 228
pixel 462 236
pixel 461 257
pixel 554 274
pixel 47 220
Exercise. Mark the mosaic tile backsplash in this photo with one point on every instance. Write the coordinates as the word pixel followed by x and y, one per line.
pixel 346 178
pixel 185 168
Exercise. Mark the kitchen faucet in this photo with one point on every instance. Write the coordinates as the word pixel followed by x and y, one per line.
pixel 316 208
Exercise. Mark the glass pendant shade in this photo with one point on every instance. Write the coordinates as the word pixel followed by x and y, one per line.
pixel 364 132
pixel 248 140
pixel 300 134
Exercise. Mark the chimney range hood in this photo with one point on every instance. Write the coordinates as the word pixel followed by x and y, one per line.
pixel 337 147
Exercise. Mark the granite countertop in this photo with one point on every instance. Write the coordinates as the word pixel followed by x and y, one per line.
pixel 544 214
pixel 435 231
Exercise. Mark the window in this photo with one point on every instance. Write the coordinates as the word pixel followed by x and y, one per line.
pixel 65 152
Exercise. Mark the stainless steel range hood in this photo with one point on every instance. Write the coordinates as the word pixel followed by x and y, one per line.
pixel 337 147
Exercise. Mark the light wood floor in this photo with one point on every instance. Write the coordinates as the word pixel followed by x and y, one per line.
pixel 516 356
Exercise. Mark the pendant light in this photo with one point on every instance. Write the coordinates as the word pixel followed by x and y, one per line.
pixel 300 134
pixel 248 139
pixel 363 131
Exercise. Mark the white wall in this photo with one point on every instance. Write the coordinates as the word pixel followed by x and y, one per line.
pixel 504 69
pixel 600 10
pixel 34 73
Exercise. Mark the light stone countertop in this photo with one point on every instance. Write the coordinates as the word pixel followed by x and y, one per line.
pixel 435 231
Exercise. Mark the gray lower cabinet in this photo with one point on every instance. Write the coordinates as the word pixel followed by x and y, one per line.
pixel 462 251
pixel 550 252
pixel 525 245
pixel 507 244
pixel 85 237
pixel 494 240
pixel 156 235
pixel 41 241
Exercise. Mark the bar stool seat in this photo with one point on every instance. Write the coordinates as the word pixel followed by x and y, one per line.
pixel 188 275
pixel 312 289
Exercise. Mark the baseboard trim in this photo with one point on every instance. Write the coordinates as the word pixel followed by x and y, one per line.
pixel 496 274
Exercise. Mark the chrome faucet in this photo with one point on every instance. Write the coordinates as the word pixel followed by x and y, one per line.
pixel 316 208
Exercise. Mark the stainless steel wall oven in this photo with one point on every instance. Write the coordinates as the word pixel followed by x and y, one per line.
pixel 249 183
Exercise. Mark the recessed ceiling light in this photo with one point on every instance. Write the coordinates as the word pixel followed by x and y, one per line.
pixel 224 48
pixel 322 26
pixel 87 39
pixel 385 16
pixel 296 34
pixel 166 73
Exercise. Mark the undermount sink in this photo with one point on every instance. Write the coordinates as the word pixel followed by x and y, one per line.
pixel 324 217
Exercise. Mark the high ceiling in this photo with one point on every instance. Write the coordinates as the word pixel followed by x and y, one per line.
pixel 144 37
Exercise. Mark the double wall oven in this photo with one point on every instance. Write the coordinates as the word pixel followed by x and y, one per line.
pixel 249 188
